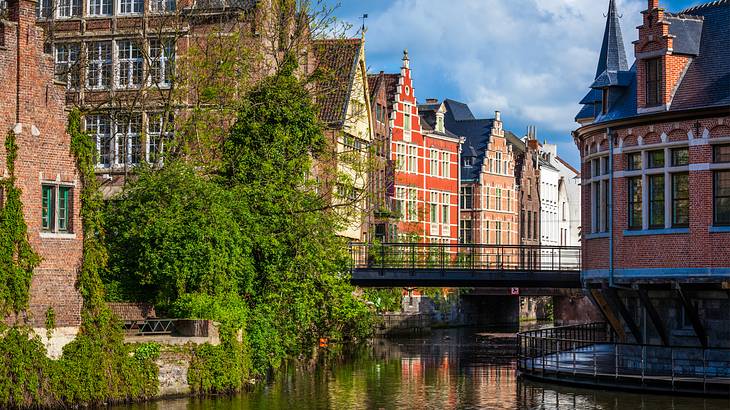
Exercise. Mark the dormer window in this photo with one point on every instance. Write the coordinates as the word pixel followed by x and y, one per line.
pixel 653 82
pixel 440 123
pixel 468 161
pixel 604 101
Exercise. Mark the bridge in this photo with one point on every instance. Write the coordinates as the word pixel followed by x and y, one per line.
pixel 465 265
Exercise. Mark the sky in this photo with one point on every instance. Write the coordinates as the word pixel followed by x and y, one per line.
pixel 533 60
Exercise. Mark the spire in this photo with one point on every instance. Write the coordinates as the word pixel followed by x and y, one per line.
pixel 406 60
pixel 613 54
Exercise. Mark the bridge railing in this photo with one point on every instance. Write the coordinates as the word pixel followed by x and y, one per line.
pixel 412 256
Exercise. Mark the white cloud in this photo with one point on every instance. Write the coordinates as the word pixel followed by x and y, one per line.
pixel 531 59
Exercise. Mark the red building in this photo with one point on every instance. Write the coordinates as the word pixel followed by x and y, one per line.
pixel 655 148
pixel 426 176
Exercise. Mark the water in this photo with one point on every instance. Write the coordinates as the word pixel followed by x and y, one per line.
pixel 448 369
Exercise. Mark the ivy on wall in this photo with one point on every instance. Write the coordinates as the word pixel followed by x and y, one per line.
pixel 17 258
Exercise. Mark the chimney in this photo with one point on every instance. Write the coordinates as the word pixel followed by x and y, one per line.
pixel 653 4
pixel 497 116
pixel 432 101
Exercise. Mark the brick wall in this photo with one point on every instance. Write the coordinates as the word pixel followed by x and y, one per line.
pixel 697 249
pixel 37 104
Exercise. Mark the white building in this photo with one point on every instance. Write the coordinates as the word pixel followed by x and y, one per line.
pixel 560 199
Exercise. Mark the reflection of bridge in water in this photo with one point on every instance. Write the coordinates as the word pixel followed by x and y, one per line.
pixel 465 265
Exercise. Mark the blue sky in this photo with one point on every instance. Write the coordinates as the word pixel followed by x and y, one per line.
pixel 531 59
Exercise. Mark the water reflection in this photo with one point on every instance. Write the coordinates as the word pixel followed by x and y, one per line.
pixel 450 369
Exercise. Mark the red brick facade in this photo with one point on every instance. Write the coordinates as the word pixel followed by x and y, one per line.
pixel 32 106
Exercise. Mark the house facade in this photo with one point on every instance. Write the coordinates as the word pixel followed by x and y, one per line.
pixel 32 106
pixel 343 98
pixel 489 191
pixel 426 176
pixel 654 139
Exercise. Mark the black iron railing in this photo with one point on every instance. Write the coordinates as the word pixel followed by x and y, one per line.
pixel 466 257
pixel 590 354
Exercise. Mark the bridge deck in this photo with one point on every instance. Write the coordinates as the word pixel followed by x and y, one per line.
pixel 445 265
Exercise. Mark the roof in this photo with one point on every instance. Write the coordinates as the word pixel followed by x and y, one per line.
pixel 515 141
pixel 567 165
pixel 337 61
pixel 460 121
pixel 427 113
pixel 700 31
pixel 613 54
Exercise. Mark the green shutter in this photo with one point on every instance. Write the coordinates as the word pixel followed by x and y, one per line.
pixel 47 208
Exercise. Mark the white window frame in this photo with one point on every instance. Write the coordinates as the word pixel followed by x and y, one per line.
pixel 99 8
pixel 127 61
pixel 94 125
pixel 65 9
pixel 158 130
pixel 130 7
pixel 68 62
pixel 95 60
pixel 163 6
pixel 166 61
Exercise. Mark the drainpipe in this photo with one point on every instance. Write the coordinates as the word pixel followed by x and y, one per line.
pixel 609 204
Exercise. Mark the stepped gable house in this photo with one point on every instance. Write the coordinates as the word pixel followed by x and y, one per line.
pixel 654 139
pixel 32 107
pixel 489 208
pixel 426 177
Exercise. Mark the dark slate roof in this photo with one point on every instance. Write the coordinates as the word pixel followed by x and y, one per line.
pixel 593 96
pixel 336 67
pixel 546 164
pixel 613 54
pixel 687 32
pixel 427 113
pixel 515 141
pixel 707 80
pixel 612 79
pixel 460 121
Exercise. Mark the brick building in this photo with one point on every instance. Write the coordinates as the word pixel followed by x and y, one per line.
pixel 382 87
pixel 527 176
pixel 120 63
pixel 32 106
pixel 425 196
pixel 489 192
pixel 655 148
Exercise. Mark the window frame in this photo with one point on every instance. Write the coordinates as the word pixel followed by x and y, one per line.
pixel 716 155
pixel 130 61
pixel 676 200
pixel 653 82
pixel 99 8
pixel 632 202
pixel 631 163
pixel 99 68
pixel 467 197
pixel 650 164
pixel 654 203
pixel 52 220
pixel 716 197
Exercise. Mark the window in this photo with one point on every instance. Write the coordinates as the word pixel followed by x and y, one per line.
pixel 130 64
pixel 680 157
pixel 162 5
pixel 468 161
pixel 162 57
pixel 722 197
pixel 499 163
pixel 445 163
pixel 635 202
pixel 69 8
pixel 498 199
pixel 66 67
pixel 535 221
pixel 633 161
pixel 434 213
pixel 433 164
pixel 440 123
pixel 680 200
pixel 653 82
pixel 498 233
pixel 129 147
pixel 406 121
pixel 466 235
pixel 655 158
pixel 159 128
pixel 412 206
pixel 130 6
pixel 98 127
pixel 100 7
pixel 721 153
pixel 412 159
pixel 56 208
pixel 44 9
pixel 604 165
pixel 529 224
pixel 604 101
pixel 596 167
pixel 656 201
pixel 467 197
pixel 100 65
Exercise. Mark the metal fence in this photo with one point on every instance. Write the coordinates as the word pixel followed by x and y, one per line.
pixel 590 354
pixel 466 256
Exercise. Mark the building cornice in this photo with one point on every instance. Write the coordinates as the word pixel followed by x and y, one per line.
pixel 660 117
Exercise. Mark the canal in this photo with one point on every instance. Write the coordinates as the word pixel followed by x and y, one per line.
pixel 447 369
